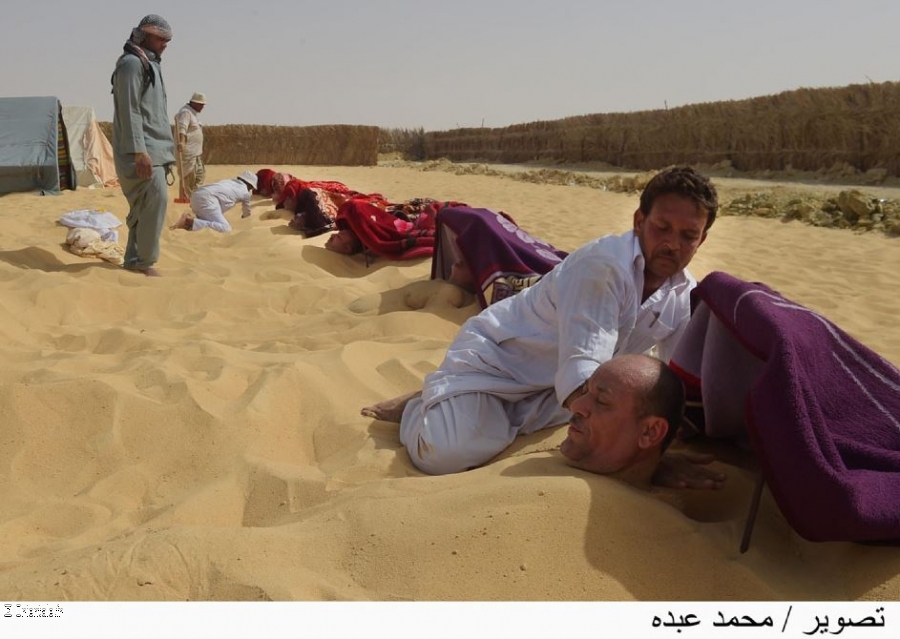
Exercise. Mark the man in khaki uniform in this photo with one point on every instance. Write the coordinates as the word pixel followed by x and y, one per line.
pixel 189 139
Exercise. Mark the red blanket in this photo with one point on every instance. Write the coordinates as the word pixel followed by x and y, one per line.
pixel 387 235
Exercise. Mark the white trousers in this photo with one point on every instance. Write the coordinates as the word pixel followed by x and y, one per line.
pixel 467 430
pixel 208 212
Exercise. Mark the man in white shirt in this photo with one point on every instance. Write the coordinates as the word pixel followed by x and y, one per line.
pixel 209 204
pixel 189 143
pixel 516 367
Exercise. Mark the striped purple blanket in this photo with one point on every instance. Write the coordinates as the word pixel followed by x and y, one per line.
pixel 822 411
pixel 501 257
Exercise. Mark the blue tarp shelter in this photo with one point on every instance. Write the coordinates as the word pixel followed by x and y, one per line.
pixel 34 147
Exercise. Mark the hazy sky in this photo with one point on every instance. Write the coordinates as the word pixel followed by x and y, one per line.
pixel 442 65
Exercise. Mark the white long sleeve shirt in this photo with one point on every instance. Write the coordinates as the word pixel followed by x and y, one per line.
pixel 554 334
pixel 226 193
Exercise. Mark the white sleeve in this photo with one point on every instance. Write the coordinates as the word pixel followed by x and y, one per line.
pixel 181 124
pixel 590 300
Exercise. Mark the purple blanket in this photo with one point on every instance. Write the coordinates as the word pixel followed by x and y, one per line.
pixel 821 410
pixel 503 259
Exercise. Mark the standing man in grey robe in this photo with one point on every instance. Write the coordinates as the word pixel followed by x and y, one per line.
pixel 143 147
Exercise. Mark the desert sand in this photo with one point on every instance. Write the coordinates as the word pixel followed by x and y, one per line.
pixel 198 437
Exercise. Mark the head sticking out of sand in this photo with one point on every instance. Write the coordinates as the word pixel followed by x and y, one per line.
pixel 625 418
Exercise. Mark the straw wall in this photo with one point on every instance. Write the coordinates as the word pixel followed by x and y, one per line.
pixel 806 129
pixel 333 145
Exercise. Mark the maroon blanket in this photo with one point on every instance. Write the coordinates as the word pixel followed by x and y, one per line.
pixel 821 410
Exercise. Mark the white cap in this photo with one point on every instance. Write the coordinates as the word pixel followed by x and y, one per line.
pixel 249 178
pixel 199 98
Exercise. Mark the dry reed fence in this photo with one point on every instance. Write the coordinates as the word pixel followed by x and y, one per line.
pixel 335 145
pixel 258 144
pixel 805 129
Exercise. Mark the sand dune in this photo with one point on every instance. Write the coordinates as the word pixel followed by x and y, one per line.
pixel 197 436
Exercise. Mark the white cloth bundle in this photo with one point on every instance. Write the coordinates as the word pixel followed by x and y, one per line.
pixel 102 221
pixel 88 242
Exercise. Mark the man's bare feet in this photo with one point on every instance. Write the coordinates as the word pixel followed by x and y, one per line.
pixel 390 410
pixel 149 271
pixel 186 222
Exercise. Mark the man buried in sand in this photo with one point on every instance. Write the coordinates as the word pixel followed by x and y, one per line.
pixel 209 203
pixel 519 365
pixel 625 416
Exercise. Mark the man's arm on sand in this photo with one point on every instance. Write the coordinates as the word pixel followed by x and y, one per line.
pixel 687 470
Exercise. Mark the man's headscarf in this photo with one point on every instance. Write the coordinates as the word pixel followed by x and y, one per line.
pixel 154 24
pixel 158 26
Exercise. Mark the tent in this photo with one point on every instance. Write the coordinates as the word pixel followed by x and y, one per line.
pixel 34 148
pixel 91 152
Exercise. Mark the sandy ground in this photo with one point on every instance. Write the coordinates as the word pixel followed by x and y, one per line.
pixel 197 436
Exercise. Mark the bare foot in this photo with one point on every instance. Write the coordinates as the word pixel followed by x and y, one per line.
pixel 390 410
pixel 149 271
pixel 186 222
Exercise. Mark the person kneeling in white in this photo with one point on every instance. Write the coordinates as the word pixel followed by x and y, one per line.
pixel 521 364
pixel 210 203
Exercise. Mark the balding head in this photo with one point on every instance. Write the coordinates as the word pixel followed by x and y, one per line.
pixel 629 412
